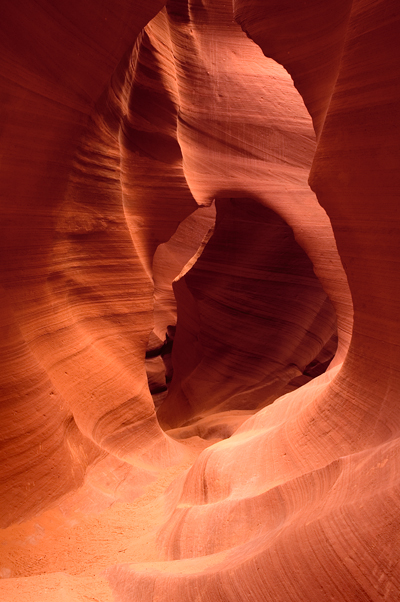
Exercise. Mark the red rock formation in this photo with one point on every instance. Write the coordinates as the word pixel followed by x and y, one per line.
pixel 80 299
pixel 108 145
pixel 252 316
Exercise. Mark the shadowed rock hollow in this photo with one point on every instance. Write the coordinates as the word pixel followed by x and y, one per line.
pixel 226 173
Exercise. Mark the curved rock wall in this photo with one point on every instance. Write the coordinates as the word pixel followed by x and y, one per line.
pixel 111 135
pixel 251 316
pixel 56 62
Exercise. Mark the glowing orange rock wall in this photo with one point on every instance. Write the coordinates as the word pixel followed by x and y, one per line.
pixel 66 315
pixel 111 135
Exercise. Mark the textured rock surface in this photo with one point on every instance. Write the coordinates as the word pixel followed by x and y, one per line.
pixel 252 315
pixel 112 135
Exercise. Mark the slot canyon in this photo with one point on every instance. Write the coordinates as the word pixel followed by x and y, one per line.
pixel 200 301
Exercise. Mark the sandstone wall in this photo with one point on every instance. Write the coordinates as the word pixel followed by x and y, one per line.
pixel 118 123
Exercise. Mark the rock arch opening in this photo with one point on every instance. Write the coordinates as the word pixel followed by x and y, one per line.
pixel 253 319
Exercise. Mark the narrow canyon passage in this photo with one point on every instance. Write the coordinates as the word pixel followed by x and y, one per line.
pixel 226 173
pixel 251 317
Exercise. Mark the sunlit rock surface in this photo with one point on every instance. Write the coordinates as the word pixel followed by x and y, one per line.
pixel 199 301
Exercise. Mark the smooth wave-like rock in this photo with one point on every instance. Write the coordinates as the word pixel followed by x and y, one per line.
pixel 166 413
pixel 261 316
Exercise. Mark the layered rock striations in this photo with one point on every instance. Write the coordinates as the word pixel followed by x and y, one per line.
pixel 56 62
pixel 230 170
pixel 249 320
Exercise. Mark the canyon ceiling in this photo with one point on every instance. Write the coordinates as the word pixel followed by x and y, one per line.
pixel 231 169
